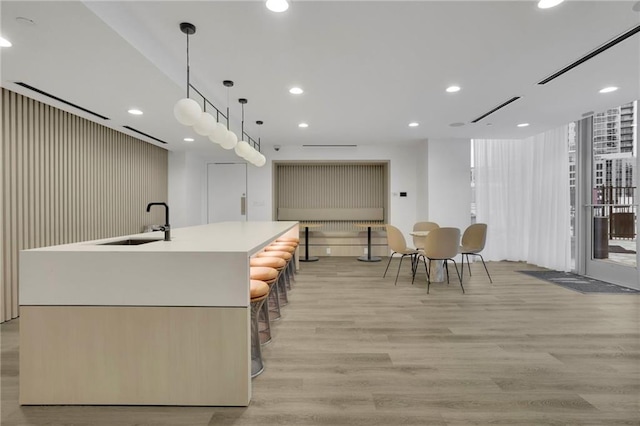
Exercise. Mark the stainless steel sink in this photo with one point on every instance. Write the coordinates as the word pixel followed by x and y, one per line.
pixel 130 242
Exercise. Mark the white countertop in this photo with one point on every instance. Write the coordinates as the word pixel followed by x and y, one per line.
pixel 230 237
pixel 204 265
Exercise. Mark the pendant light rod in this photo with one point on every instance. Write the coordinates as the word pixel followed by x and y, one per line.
pixel 188 29
pixel 242 102
pixel 259 123
pixel 244 135
pixel 227 84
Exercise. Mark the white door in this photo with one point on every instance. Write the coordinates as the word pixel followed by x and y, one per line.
pixel 226 192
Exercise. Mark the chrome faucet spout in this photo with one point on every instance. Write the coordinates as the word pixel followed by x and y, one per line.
pixel 166 227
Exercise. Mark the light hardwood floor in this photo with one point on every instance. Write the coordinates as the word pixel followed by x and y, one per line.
pixel 353 349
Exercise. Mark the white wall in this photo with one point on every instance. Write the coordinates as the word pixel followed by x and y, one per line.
pixel 187 189
pixel 449 182
pixel 422 182
pixel 435 175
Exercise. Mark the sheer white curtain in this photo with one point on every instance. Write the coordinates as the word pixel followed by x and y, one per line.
pixel 522 194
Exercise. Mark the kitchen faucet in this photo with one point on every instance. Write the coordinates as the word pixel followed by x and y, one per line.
pixel 166 228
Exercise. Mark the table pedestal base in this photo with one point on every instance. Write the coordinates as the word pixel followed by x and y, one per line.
pixel 309 259
pixel 369 259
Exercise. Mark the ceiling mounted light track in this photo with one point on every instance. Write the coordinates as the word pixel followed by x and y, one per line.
pixel 189 113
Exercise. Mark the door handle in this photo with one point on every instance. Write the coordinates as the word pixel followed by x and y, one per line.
pixel 243 205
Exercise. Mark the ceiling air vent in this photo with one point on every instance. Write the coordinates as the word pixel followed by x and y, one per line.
pixel 622 37
pixel 515 98
pixel 144 134
pixel 329 146
pixel 49 95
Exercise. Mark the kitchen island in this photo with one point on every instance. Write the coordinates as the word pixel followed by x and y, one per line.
pixel 159 323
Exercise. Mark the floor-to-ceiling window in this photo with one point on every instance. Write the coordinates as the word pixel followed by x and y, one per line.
pixel 610 140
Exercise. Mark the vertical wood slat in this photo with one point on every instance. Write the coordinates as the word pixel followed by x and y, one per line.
pixel 66 179
pixel 331 185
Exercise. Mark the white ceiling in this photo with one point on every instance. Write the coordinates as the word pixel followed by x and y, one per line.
pixel 368 67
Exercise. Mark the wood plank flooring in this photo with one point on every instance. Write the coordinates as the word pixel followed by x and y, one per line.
pixel 353 349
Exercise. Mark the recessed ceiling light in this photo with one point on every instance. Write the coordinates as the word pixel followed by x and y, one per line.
pixel 523 124
pixel 4 42
pixel 303 125
pixel 458 124
pixel 296 91
pixel 609 89
pixel 414 124
pixel 453 89
pixel 134 111
pixel 277 5
pixel 188 139
pixel 546 4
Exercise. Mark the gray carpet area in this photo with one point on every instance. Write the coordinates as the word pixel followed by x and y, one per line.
pixel 579 283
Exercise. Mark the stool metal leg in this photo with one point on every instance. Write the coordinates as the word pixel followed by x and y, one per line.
pixel 263 318
pixel 274 302
pixel 257 366
pixel 281 282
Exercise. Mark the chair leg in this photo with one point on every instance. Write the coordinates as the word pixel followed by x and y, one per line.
pixel 414 258
pixel 426 270
pixel 459 276
pixel 462 275
pixel 468 264
pixel 399 265
pixel 485 268
pixel 388 263
pixel 446 268
pixel 415 267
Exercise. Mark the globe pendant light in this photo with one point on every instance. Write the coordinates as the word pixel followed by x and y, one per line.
pixel 230 141
pixel 261 161
pixel 205 125
pixel 242 148
pixel 218 134
pixel 187 111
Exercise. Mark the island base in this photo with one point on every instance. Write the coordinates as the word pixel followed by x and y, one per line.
pixel 104 355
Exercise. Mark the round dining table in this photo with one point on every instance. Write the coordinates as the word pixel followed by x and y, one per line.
pixel 369 225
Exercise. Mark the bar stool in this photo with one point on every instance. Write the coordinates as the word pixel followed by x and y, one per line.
pixel 283 255
pixel 288 239
pixel 289 248
pixel 278 264
pixel 258 291
pixel 270 276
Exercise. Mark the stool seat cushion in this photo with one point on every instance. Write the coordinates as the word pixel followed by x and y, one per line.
pixel 262 273
pixel 271 262
pixel 280 248
pixel 258 289
pixel 284 243
pixel 292 239
pixel 281 254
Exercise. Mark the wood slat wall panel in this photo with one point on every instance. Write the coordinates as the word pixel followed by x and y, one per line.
pixel 331 185
pixel 66 179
